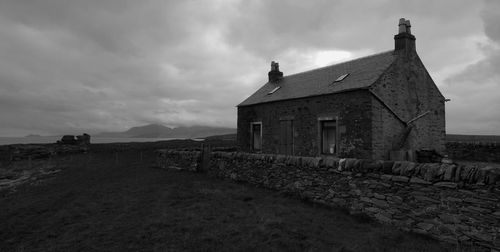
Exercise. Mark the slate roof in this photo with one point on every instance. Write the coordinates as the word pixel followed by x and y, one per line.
pixel 363 72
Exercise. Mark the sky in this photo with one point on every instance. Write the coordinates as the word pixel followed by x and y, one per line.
pixel 69 66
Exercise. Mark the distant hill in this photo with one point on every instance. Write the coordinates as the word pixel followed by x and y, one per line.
pixel 32 135
pixel 147 131
pixel 226 137
pixel 160 131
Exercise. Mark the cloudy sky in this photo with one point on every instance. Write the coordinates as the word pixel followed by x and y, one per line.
pixel 69 66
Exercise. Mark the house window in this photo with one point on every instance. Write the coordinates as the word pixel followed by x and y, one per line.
pixel 328 137
pixel 274 90
pixel 342 77
pixel 256 133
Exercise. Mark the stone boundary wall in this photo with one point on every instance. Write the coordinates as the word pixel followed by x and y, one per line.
pixel 476 151
pixel 453 203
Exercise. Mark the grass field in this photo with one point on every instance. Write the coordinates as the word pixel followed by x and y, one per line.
pixel 117 202
pixel 472 138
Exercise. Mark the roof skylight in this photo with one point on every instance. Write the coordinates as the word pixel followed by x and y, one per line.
pixel 274 90
pixel 341 78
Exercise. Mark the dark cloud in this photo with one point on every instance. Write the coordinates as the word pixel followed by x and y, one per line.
pixel 475 107
pixel 110 65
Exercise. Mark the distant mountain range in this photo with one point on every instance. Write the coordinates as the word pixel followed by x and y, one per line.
pixel 160 131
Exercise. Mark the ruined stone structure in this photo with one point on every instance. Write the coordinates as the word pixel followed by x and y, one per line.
pixel 71 140
pixel 362 108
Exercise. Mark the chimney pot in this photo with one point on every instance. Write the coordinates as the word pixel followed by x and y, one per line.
pixel 402 25
pixel 404 40
pixel 275 74
pixel 408 26
pixel 275 66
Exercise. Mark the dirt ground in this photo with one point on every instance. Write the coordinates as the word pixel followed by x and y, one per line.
pixel 120 202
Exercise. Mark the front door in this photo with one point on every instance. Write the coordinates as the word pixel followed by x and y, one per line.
pixel 286 137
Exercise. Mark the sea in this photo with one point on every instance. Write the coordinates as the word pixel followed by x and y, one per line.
pixel 53 139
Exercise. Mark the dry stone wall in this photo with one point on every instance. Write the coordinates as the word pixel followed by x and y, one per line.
pixel 454 203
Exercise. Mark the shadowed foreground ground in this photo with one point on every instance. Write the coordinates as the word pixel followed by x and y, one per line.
pixel 103 202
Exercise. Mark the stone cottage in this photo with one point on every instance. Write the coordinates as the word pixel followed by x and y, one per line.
pixel 362 108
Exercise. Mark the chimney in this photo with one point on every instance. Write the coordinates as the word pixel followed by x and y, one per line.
pixel 275 74
pixel 404 40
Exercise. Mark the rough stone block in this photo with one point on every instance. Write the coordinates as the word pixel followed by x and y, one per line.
pixel 448 218
pixel 400 179
pixel 493 176
pixel 426 199
pixel 448 239
pixel 382 218
pixel 365 165
pixel 387 167
pixel 449 172
pixel 365 199
pixel 425 226
pixel 280 159
pixel 386 177
pixel 316 162
pixel 408 169
pixel 352 164
pixel 432 171
pixel 376 165
pixel 441 170
pixel 396 168
pixel 417 169
pixel 480 236
pixel 416 180
pixel 477 209
pixel 380 203
pixel 458 172
pixel 342 164
pixel 451 185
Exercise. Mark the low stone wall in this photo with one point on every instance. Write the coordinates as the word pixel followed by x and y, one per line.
pixel 17 152
pixel 484 152
pixel 186 160
pixel 454 203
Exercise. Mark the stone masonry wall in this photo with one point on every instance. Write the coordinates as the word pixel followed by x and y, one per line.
pixel 409 90
pixel 353 110
pixel 453 203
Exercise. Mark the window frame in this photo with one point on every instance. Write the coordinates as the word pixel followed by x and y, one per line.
pixel 252 147
pixel 321 121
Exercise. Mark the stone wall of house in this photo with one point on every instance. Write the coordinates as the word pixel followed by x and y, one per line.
pixel 454 203
pixel 484 152
pixel 386 128
pixel 407 88
pixel 353 110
